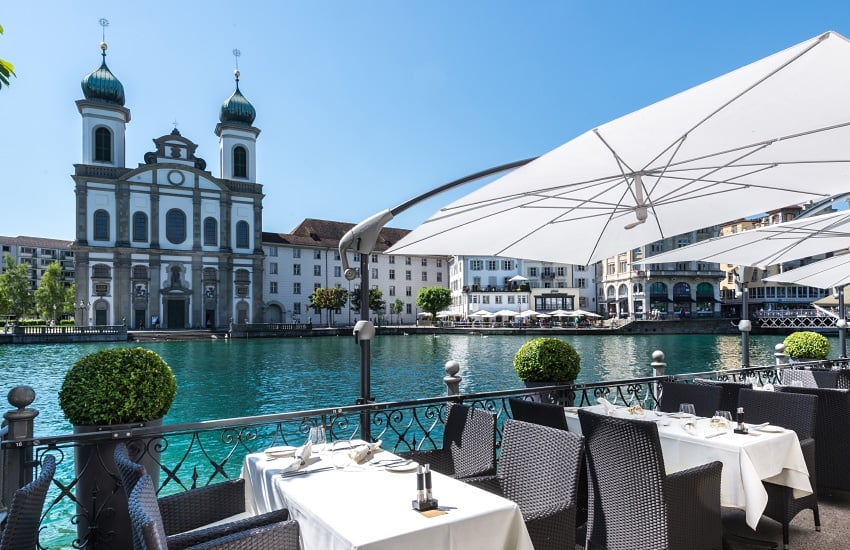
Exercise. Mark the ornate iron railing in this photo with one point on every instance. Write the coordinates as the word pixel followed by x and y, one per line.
pixel 197 454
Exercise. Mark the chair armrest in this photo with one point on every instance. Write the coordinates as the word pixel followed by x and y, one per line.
pixel 276 536
pixel 189 539
pixel 439 460
pixel 693 506
pixel 201 506
pixel 488 483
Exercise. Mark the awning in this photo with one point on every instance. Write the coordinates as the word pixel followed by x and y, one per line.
pixel 660 299
pixel 680 299
pixel 708 299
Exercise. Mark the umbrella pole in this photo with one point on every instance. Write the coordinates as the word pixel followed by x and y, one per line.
pixel 745 326
pixel 365 352
pixel 842 324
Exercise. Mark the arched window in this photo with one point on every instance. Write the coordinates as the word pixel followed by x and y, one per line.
pixel 175 226
pixel 210 231
pixel 681 291
pixel 101 225
pixel 101 271
pixel 658 290
pixel 140 272
pixel 140 227
pixel 240 162
pixel 103 145
pixel 242 240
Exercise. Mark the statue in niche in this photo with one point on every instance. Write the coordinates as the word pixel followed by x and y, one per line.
pixel 175 277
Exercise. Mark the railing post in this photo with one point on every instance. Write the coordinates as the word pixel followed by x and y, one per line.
pixel 17 461
pixel 658 369
pixel 451 379
pixel 781 357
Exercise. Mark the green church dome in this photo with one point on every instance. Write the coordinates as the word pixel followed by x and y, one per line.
pixel 101 84
pixel 236 108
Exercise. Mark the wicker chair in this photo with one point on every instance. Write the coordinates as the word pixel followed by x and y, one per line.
pixel 801 377
pixel 729 399
pixel 149 530
pixel 832 446
pixel 706 399
pixel 183 513
pixel 544 414
pixel 539 470
pixel 796 412
pixel 634 503
pixel 24 513
pixel 469 444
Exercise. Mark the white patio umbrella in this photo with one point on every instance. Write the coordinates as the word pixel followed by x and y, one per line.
pixel 764 136
pixel 505 313
pixel 583 313
pixel 562 313
pixel 518 279
pixel 528 313
pixel 828 273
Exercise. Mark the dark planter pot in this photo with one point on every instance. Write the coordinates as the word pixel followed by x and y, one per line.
pixel 565 398
pixel 103 519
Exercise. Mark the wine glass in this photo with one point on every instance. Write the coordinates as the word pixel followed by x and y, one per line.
pixel 722 421
pixel 318 438
pixel 687 409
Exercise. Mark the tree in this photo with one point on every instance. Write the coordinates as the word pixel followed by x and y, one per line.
pixel 330 299
pixel 6 68
pixel 433 299
pixel 15 291
pixel 376 300
pixel 51 296
pixel 397 308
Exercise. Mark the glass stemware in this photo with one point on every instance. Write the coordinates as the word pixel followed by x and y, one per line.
pixel 687 409
pixel 721 421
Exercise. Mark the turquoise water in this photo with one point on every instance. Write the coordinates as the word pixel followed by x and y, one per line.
pixel 224 379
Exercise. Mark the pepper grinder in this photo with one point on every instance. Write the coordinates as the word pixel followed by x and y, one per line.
pixel 424 498
pixel 741 428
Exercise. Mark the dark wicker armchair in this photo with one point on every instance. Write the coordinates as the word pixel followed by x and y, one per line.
pixel 149 531
pixel 729 399
pixel 182 514
pixel 795 412
pixel 634 503
pixel 24 513
pixel 545 414
pixel 706 399
pixel 539 470
pixel 832 445
pixel 469 444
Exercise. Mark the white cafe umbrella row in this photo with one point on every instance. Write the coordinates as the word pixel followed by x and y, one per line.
pixel 769 134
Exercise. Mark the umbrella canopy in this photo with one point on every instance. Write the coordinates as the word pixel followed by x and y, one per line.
pixel 518 279
pixel 481 313
pixel 528 313
pixel 506 313
pixel 829 273
pixel 767 135
pixel 583 313
pixel 770 244
pixel 442 314
pixel 423 314
pixel 562 313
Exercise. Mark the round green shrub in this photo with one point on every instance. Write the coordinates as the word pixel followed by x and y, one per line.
pixel 806 344
pixel 117 386
pixel 547 360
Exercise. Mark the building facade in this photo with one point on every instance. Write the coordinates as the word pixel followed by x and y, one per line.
pixel 39 253
pixel 165 244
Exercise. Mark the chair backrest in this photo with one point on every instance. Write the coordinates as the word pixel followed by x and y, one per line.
pixel 793 411
pixel 832 446
pixel 470 437
pixel 706 399
pixel 145 518
pixel 545 414
pixel 799 377
pixel 129 471
pixel 729 399
pixel 24 513
pixel 626 506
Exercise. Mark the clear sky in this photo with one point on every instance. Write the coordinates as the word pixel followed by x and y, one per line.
pixel 362 104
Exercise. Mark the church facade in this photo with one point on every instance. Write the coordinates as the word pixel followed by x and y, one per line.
pixel 165 244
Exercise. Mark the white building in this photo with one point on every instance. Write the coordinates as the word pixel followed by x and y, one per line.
pixel 39 253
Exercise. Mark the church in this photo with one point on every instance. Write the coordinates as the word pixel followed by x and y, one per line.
pixel 166 244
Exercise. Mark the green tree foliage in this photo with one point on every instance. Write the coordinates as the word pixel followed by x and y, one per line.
pixel 6 68
pixel 397 308
pixel 15 290
pixel 433 299
pixel 331 299
pixel 51 296
pixel 376 300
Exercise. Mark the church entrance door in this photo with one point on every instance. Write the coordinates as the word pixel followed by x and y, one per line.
pixel 175 314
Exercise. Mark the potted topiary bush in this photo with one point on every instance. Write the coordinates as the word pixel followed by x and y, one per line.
pixel 113 390
pixel 547 362
pixel 806 345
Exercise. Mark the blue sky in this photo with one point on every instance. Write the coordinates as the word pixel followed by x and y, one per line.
pixel 362 105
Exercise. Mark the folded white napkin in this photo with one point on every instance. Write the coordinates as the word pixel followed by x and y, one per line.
pixel 768 387
pixel 690 426
pixel 606 405
pixel 302 455
pixel 362 452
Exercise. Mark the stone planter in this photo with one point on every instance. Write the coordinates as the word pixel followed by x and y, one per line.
pixel 102 515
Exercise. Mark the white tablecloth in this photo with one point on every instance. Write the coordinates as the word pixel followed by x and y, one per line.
pixel 747 459
pixel 370 508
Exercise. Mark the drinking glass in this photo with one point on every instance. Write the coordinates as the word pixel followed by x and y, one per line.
pixel 687 409
pixel 317 438
pixel 722 420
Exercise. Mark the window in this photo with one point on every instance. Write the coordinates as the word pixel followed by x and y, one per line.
pixel 296 288
pixel 337 271
pixel 374 258
pixel 273 268
pixel 140 227
pixel 561 271
pixel 101 225
pixel 103 145
pixel 296 269
pixel 296 308
pixel 581 268
pixel 476 265
pixel 140 272
pixel 485 299
pixel 392 290
pixel 407 276
pixel 392 273
pixel 407 260
pixel 498 299
pixel 240 162
pixel 492 265
pixel 317 271
pixel 581 283
pixel 532 272
pixel 296 252
pixel 507 265
pixel 175 226
pixel 100 271
pixel 336 255
pixel 623 267
pixel 424 275
pixel 424 262
pixel 272 287
pixel 439 276
pixel 392 259
pixel 211 233
pixel 439 262
pixel 374 273
pixel 317 254
pixel 611 269
pixel 242 238
pixel 408 309
pixel 317 286
pixel 273 251
pixel 408 291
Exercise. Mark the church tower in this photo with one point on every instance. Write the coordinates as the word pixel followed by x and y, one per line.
pixel 237 138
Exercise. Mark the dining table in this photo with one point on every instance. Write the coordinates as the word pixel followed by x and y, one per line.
pixel 764 453
pixel 344 503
